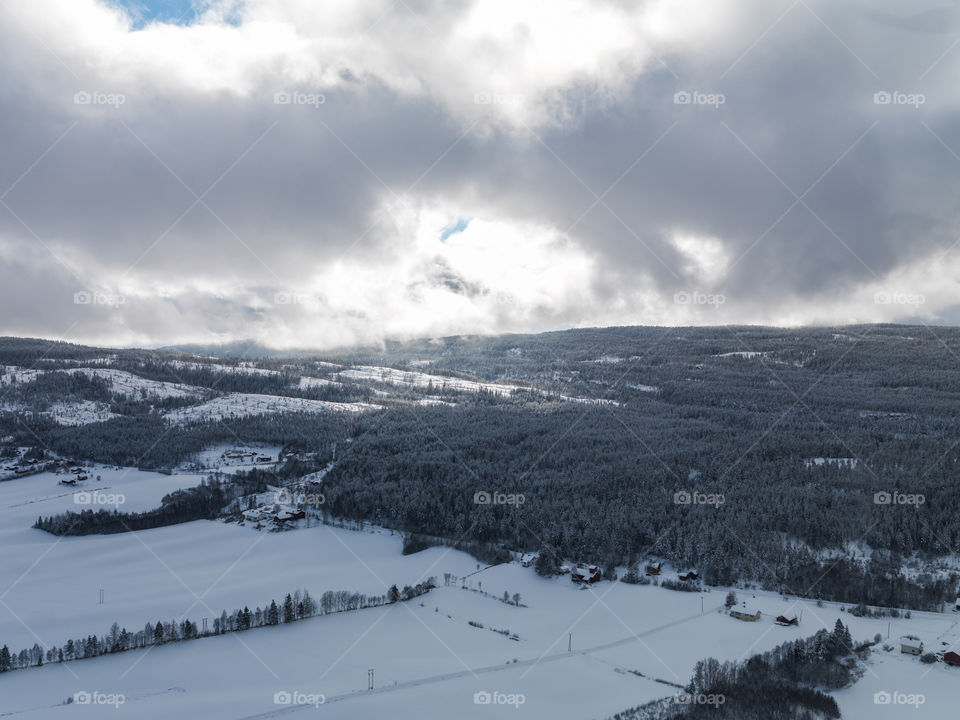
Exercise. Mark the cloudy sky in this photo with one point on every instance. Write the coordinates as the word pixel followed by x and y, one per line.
pixel 312 174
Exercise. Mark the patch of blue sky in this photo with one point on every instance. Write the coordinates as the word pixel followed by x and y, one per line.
pixel 457 226
pixel 171 12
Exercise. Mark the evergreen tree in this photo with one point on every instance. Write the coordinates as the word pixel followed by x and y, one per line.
pixel 547 564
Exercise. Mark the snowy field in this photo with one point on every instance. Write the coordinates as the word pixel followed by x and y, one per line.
pixel 898 687
pixel 424 653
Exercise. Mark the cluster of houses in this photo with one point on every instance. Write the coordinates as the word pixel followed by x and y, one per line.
pixel 286 505
pixel 747 616
pixel 277 512
pixel 77 475
pixel 249 455
pixel 26 467
pixel 912 645
pixel 591 573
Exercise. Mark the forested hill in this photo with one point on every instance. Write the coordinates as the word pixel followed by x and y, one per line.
pixel 604 432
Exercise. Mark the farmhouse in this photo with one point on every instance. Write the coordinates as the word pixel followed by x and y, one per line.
pixel 911 644
pixel 654 567
pixel 691 575
pixel 745 616
pixel 255 515
pixel 288 516
pixel 528 559
pixel 590 574
pixel 951 658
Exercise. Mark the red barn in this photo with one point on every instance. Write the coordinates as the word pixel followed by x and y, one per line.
pixel 289 516
pixel 785 621
pixel 951 658
pixel 589 574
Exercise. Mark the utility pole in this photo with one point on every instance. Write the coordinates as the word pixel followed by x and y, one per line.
pixel 701 604
pixel 370 679
pixel 569 642
pixel 101 596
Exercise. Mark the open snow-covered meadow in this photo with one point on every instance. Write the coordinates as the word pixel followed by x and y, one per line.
pixel 565 650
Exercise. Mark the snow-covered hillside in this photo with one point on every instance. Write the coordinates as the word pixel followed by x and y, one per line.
pixel 421 380
pixel 129 385
pixel 245 404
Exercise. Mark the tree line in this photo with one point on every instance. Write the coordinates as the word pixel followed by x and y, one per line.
pixel 299 605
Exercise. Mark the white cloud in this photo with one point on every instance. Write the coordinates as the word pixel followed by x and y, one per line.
pixel 424 120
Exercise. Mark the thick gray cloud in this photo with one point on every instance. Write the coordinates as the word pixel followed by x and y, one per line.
pixel 287 179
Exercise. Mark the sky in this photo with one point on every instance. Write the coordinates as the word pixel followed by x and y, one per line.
pixel 308 174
